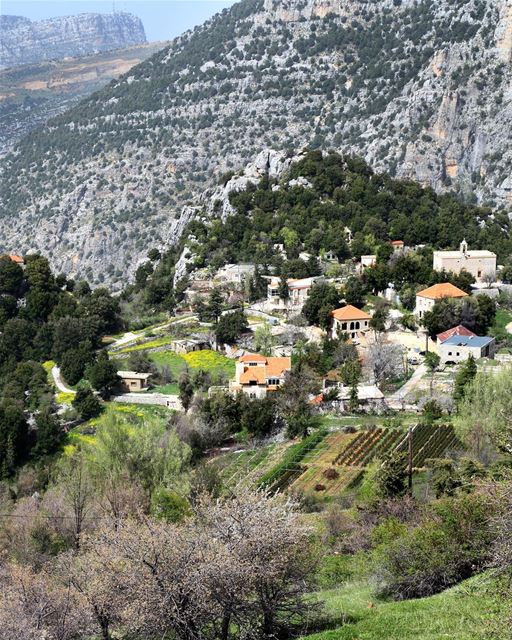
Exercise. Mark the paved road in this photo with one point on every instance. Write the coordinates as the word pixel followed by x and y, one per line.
pixel 59 383
pixel 396 400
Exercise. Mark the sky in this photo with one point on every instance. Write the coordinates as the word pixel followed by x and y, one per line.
pixel 162 19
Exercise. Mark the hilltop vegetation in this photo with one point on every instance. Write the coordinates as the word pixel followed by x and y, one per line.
pixel 341 192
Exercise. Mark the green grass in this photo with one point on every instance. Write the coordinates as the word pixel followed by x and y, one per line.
pixel 464 612
pixel 141 346
pixel 209 361
pixel 498 329
pixel 169 389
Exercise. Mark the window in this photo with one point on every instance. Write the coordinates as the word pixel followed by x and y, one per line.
pixel 274 382
pixel 344 326
pixel 253 364
pixel 479 275
pixel 358 325
pixel 252 396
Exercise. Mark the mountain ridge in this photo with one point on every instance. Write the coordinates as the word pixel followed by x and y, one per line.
pixel 24 41
pixel 422 90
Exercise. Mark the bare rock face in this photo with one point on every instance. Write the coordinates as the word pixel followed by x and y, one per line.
pixel 23 41
pixel 422 90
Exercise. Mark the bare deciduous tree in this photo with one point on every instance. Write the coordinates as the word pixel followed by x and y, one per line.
pixel 35 606
pixel 384 359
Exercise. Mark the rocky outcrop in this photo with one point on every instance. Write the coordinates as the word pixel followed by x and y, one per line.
pixel 23 41
pixel 422 90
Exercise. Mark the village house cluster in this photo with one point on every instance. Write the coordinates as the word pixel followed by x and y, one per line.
pixel 258 375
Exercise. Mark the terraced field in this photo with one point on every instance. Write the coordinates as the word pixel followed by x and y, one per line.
pixel 326 463
pixel 339 461
pixel 431 441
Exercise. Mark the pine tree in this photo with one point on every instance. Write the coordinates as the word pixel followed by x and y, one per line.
pixel 283 290
pixel 466 373
pixel 215 304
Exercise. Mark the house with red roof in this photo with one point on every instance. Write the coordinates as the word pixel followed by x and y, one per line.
pixel 350 320
pixel 426 299
pixel 459 330
pixel 257 375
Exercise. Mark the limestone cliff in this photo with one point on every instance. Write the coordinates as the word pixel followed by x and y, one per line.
pixel 23 41
pixel 420 89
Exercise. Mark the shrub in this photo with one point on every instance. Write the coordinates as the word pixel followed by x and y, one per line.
pixel 320 487
pixel 450 544
pixel 331 474
pixel 87 404
pixel 168 505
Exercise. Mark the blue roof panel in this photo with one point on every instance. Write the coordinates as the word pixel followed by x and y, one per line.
pixel 469 341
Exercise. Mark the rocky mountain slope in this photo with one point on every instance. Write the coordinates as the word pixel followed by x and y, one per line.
pixel 32 94
pixel 420 89
pixel 23 41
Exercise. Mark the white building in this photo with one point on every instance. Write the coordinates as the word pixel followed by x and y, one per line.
pixel 366 261
pixel 426 299
pixel 298 293
pixel 235 273
pixel 477 263
pixel 459 348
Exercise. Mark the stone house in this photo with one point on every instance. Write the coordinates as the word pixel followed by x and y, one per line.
pixel 426 299
pixel 132 381
pixel 477 263
pixel 235 273
pixel 350 320
pixel 186 345
pixel 257 375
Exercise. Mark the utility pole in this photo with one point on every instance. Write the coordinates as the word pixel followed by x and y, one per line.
pixel 409 464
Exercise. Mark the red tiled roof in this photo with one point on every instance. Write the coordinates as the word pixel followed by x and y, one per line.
pixel 442 290
pixel 253 357
pixel 253 374
pixel 17 259
pixel 350 312
pixel 459 330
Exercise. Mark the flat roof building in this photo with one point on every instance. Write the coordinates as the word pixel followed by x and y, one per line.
pixel 133 381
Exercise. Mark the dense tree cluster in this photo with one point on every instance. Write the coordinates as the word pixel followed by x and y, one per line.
pixel 43 317
pixel 344 192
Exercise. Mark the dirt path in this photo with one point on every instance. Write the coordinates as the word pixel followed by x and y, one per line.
pixel 59 383
pixel 397 399
pixel 132 336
